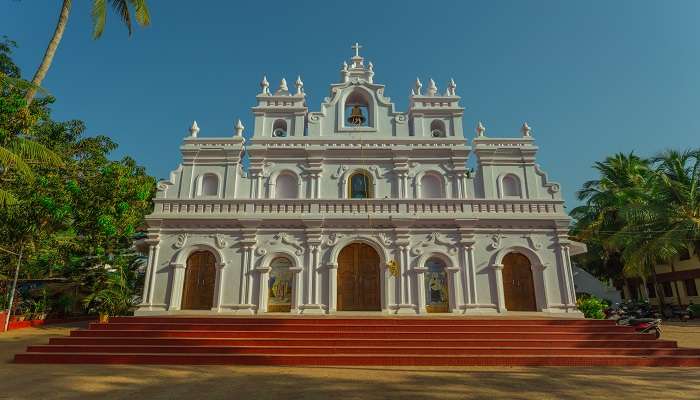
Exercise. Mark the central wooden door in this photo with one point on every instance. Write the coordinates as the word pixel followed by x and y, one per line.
pixel 358 279
pixel 518 285
pixel 200 276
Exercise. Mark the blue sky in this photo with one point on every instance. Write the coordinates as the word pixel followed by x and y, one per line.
pixel 591 77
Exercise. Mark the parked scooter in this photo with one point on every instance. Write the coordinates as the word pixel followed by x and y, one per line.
pixel 642 325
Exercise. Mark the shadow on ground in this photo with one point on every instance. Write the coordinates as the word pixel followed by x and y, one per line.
pixel 241 382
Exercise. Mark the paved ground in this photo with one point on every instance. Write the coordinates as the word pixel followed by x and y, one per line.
pixel 231 382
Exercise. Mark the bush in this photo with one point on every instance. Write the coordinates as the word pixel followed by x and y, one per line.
pixel 591 307
pixel 694 310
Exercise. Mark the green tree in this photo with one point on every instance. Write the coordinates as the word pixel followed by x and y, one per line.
pixel 99 17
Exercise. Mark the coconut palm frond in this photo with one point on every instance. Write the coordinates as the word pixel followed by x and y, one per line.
pixel 121 7
pixel 7 199
pixel 35 151
pixel 12 160
pixel 143 16
pixel 99 17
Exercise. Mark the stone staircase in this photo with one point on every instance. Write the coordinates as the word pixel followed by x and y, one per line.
pixel 384 341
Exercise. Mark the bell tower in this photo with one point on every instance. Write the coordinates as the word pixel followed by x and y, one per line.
pixel 280 114
pixel 434 114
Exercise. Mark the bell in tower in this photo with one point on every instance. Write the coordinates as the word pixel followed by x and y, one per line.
pixel 356 118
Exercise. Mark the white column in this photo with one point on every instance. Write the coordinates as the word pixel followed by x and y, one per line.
pixel 500 295
pixel 564 270
pixel 297 292
pixel 318 186
pixel 570 281
pixel 244 263
pixel 178 282
pixel 455 288
pixel 539 270
pixel 154 270
pixel 463 179
pixel 249 276
pixel 420 281
pixel 147 284
pixel 219 288
pixel 466 276
pixel 315 275
pixel 403 276
pixel 332 287
pixel 263 279
pixel 472 276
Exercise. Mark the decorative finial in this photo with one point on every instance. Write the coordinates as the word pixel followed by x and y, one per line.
pixel 239 128
pixel 300 86
pixel 283 89
pixel 265 85
pixel 413 92
pixel 194 129
pixel 345 67
pixel 432 88
pixel 357 48
pixel 480 129
pixel 370 66
pixel 452 88
pixel 418 86
pixel 525 129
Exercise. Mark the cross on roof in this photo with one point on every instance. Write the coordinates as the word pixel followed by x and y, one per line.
pixel 357 48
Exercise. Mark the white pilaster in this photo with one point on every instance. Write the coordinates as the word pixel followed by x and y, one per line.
pixel 453 277
pixel 332 287
pixel 219 288
pixel 500 294
pixel 178 283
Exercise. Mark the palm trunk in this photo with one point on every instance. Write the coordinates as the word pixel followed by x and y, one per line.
pixel 50 51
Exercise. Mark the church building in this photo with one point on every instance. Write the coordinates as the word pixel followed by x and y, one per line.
pixel 358 207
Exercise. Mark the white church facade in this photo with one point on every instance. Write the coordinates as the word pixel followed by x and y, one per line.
pixel 358 207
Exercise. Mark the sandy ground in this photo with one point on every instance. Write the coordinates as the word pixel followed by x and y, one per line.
pixel 232 382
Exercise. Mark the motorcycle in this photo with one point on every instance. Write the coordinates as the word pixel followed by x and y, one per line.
pixel 642 325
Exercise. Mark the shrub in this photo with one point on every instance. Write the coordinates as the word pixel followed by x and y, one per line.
pixel 591 307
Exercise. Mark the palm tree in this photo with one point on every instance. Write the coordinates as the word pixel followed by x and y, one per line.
pixel 99 16
pixel 623 178
pixel 17 150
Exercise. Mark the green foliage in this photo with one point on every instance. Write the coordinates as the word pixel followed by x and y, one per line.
pixel 591 307
pixel 69 206
pixel 112 292
pixel 639 213
pixel 694 310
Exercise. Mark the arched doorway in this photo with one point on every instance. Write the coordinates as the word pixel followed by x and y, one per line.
pixel 279 286
pixel 518 284
pixel 437 293
pixel 200 277
pixel 358 279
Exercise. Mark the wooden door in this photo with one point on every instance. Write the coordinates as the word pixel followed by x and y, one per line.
pixel 358 279
pixel 518 285
pixel 200 277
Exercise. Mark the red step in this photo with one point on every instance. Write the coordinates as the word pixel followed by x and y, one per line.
pixel 360 341
pixel 426 335
pixel 357 359
pixel 303 320
pixel 394 350
pixel 99 341
pixel 423 327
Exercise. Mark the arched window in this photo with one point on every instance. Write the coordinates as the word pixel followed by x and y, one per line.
pixel 279 288
pixel 437 293
pixel 209 185
pixel 510 185
pixel 357 111
pixel 360 186
pixel 431 187
pixel 286 186
pixel 279 128
pixel 437 128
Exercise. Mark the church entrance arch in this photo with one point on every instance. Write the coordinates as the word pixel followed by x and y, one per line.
pixel 358 278
pixel 518 283
pixel 200 277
